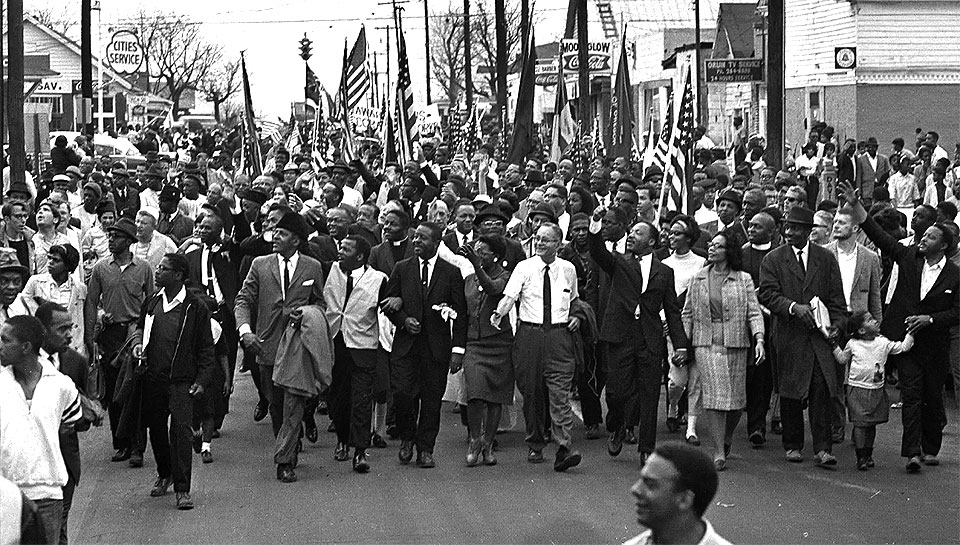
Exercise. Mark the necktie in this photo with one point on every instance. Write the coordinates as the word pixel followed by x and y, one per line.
pixel 164 219
pixel 349 286
pixel 640 272
pixel 423 278
pixel 286 276
pixel 210 288
pixel 800 262
pixel 547 295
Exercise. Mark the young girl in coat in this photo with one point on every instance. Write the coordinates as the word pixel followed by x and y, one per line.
pixel 867 404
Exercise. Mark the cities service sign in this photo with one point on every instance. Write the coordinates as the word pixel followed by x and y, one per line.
pixel 124 52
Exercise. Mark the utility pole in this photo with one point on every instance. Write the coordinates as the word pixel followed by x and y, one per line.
pixel 775 83
pixel 467 57
pixel 18 159
pixel 500 14
pixel 426 44
pixel 583 68
pixel 86 67
pixel 524 29
pixel 386 29
pixel 701 99
pixel 3 102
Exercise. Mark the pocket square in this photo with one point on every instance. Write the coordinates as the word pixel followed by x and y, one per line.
pixel 948 291
pixel 308 282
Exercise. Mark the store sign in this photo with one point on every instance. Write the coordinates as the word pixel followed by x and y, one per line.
pixel 124 52
pixel 546 71
pixel 844 58
pixel 599 58
pixel 51 86
pixel 77 86
pixel 734 70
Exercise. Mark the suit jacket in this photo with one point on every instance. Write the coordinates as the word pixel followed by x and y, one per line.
pixel 74 366
pixel 452 240
pixel 865 293
pixel 799 348
pixel 179 229
pixel 940 302
pixel 381 256
pixel 129 204
pixel 620 323
pixel 262 297
pixel 226 265
pixel 867 178
pixel 328 248
pixel 446 286
pixel 847 169
pixel 742 320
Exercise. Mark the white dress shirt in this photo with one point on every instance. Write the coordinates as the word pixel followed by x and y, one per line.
pixel 431 267
pixel 848 268
pixel 805 256
pixel 526 286
pixel 929 275
pixel 294 259
pixel 205 256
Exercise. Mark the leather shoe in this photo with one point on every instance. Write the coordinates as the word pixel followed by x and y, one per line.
pixel 161 486
pixel 593 432
pixel 260 412
pixel 566 459
pixel 615 443
pixel 720 464
pixel 824 459
pixel 197 441
pixel 360 463
pixel 913 464
pixel 286 474
pixel 693 440
pixel 757 439
pixel 930 460
pixel 406 451
pixel 136 459
pixel 487 454
pixel 311 433
pixel 184 503
pixel 425 460
pixel 120 455
pixel 377 441
pixel 535 456
pixel 473 452
pixel 793 455
pixel 207 457
pixel 673 425
pixel 341 453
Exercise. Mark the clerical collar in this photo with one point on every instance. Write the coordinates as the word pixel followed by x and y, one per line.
pixel 398 242
pixel 764 246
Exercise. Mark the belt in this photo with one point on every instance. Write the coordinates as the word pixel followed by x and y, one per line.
pixel 541 326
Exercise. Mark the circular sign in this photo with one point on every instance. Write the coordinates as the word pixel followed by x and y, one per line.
pixel 124 52
pixel 846 57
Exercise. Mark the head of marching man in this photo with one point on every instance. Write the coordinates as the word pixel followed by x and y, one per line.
pixel 289 234
pixel 547 241
pixel 642 238
pixel 426 240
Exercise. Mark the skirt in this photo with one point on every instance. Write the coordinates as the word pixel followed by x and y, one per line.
pixel 722 374
pixel 867 407
pixel 488 369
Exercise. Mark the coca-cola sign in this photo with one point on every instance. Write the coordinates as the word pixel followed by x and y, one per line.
pixel 599 56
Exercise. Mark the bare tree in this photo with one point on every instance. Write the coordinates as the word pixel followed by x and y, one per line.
pixel 178 57
pixel 446 52
pixel 483 27
pixel 220 85
pixel 61 21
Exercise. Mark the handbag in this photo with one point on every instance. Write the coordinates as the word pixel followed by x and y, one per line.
pixel 96 385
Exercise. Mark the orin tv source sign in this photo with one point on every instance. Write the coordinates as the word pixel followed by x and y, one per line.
pixel 124 52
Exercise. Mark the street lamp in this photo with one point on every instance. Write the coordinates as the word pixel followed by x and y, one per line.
pixel 306 44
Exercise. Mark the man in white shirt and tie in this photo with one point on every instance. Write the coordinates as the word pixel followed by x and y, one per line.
pixel 545 286
pixel 464 215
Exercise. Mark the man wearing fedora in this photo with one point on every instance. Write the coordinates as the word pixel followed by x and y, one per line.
pixel 119 285
pixel 126 198
pixel 13 277
pixel 791 278
pixel 172 222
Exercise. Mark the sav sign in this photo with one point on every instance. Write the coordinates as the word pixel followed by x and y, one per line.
pixel 599 57
pixel 124 52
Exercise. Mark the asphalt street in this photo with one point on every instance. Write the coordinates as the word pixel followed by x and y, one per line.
pixel 762 498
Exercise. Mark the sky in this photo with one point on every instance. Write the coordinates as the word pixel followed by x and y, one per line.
pixel 269 33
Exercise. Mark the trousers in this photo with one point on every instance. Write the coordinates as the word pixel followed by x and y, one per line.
pixel 288 435
pixel 819 407
pixel 922 372
pixel 51 512
pixel 171 447
pixel 634 375
pixel 110 341
pixel 416 379
pixel 590 384
pixel 544 365
pixel 351 393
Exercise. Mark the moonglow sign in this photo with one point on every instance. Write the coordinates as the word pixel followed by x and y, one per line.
pixel 124 52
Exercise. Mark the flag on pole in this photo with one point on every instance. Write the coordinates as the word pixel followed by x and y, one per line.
pixel 406 115
pixel 621 108
pixel 681 141
pixel 598 148
pixel 250 128
pixel 356 73
pixel 564 129
pixel 389 137
pixel 662 150
pixel 312 89
pixel 294 140
pixel 272 130
pixel 318 140
pixel 524 134
pixel 651 147
pixel 346 131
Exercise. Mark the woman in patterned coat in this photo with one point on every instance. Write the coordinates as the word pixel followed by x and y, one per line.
pixel 722 318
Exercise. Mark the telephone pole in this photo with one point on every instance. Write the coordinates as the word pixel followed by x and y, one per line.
pixel 775 83
pixel 701 99
pixel 386 29
pixel 18 159
pixel 583 69
pixel 86 67
pixel 426 45
pixel 500 14
pixel 467 57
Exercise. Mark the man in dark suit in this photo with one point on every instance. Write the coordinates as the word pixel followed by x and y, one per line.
pixel 412 190
pixel 57 325
pixel 396 245
pixel 633 332
pixel 873 169
pixel 791 276
pixel 275 288
pixel 172 221
pixel 423 348
pixel 126 198
pixel 925 303
pixel 463 215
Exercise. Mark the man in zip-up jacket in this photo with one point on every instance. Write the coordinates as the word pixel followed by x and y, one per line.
pixel 175 352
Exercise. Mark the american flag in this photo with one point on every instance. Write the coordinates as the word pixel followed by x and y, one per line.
pixel 311 90
pixel 346 129
pixel 563 131
pixel 356 74
pixel 407 116
pixel 681 140
pixel 662 149
pixel 254 160
pixel 272 130
pixel 318 140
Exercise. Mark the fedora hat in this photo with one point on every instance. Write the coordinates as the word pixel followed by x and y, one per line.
pixel 543 209
pixel 125 226
pixel 491 211
pixel 10 263
pixel 800 216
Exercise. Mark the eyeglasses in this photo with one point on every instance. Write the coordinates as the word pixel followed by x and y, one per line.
pixel 716 246
pixel 491 223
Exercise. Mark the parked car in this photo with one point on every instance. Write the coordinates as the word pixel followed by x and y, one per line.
pixel 119 149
